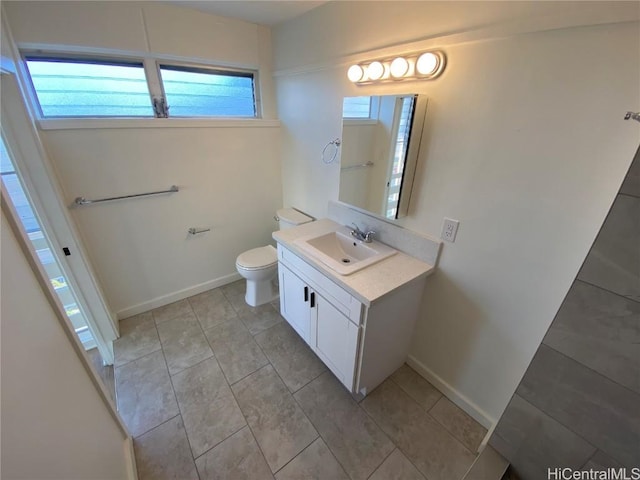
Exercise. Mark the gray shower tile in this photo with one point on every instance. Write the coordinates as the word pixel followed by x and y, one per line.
pixel 171 311
pixel 426 443
pixel 601 411
pixel 600 330
pixel 237 458
pixel 353 437
pixel 631 184
pixel 533 441
pixel 292 358
pixel 314 462
pixel 236 350
pixel 397 467
pixel 613 260
pixel 276 420
pixel 209 410
pixel 144 393
pixel 458 423
pixel 416 387
pixel 600 461
pixel 138 337
pixel 183 343
pixel 212 308
pixel 164 453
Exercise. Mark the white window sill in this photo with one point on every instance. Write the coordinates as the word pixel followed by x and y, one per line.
pixel 359 121
pixel 100 123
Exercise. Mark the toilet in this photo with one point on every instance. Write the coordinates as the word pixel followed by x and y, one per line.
pixel 259 266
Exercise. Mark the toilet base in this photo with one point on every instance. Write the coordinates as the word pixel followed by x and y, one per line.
pixel 260 292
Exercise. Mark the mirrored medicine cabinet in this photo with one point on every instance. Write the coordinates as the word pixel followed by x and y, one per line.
pixel 381 138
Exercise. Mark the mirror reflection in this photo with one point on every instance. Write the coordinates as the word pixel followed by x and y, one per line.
pixel 380 143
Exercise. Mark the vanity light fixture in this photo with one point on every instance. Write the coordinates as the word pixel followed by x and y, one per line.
pixel 375 71
pixel 355 73
pixel 399 67
pixel 418 66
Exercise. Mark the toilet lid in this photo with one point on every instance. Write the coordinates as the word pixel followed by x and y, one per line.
pixel 256 258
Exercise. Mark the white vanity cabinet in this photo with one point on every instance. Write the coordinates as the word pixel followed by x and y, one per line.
pixel 328 324
pixel 361 344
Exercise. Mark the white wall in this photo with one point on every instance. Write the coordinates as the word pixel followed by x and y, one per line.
pixel 54 423
pixel 524 144
pixel 229 181
pixel 229 176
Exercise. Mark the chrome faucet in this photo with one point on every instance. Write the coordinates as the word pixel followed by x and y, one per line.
pixel 366 237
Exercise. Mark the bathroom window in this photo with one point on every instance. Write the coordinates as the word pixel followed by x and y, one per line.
pixel 67 86
pixel 356 107
pixel 82 88
pixel 198 92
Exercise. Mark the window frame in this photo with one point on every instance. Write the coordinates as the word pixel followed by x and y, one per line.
pixel 120 61
pixel 213 70
pixel 151 66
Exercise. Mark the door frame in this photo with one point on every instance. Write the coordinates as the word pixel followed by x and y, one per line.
pixel 36 172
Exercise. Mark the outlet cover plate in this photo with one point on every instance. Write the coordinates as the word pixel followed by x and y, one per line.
pixel 449 229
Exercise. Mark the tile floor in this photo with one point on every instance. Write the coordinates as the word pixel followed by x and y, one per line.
pixel 211 388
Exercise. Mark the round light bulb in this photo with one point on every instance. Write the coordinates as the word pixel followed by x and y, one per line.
pixel 375 70
pixel 355 73
pixel 399 67
pixel 427 63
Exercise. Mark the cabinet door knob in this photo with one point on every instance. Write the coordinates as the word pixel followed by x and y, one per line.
pixel 313 299
pixel 306 294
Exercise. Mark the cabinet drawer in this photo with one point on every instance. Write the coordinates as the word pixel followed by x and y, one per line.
pixel 339 297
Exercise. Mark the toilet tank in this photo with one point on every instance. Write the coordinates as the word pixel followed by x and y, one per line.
pixel 288 217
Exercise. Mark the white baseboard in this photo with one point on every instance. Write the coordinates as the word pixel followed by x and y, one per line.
pixel 130 459
pixel 454 395
pixel 175 296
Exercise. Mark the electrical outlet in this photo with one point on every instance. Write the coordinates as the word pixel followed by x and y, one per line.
pixel 449 229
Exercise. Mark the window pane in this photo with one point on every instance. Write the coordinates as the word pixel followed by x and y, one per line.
pixel 88 89
pixel 204 94
pixel 26 216
pixel 356 107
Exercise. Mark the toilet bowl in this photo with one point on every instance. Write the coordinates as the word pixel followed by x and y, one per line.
pixel 259 266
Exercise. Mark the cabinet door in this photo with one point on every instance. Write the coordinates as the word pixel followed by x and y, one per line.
pixel 294 301
pixel 334 339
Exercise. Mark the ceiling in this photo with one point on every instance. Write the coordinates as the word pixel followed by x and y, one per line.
pixel 265 12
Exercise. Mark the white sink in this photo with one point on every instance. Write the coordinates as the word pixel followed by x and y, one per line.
pixel 343 253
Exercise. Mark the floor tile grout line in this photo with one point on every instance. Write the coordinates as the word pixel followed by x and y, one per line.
pixel 139 358
pixel 395 447
pixel 157 426
pixel 451 434
pixel 175 396
pixel 312 380
pixel 428 412
pixel 249 425
pixel 388 435
pixel 329 372
pixel 246 425
pixel 587 367
pixel 254 340
pixel 599 287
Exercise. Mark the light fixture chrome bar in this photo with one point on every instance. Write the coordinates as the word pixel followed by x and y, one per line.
pixel 360 165
pixel 633 116
pixel 81 201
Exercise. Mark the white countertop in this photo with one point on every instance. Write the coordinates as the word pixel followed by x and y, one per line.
pixel 367 285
